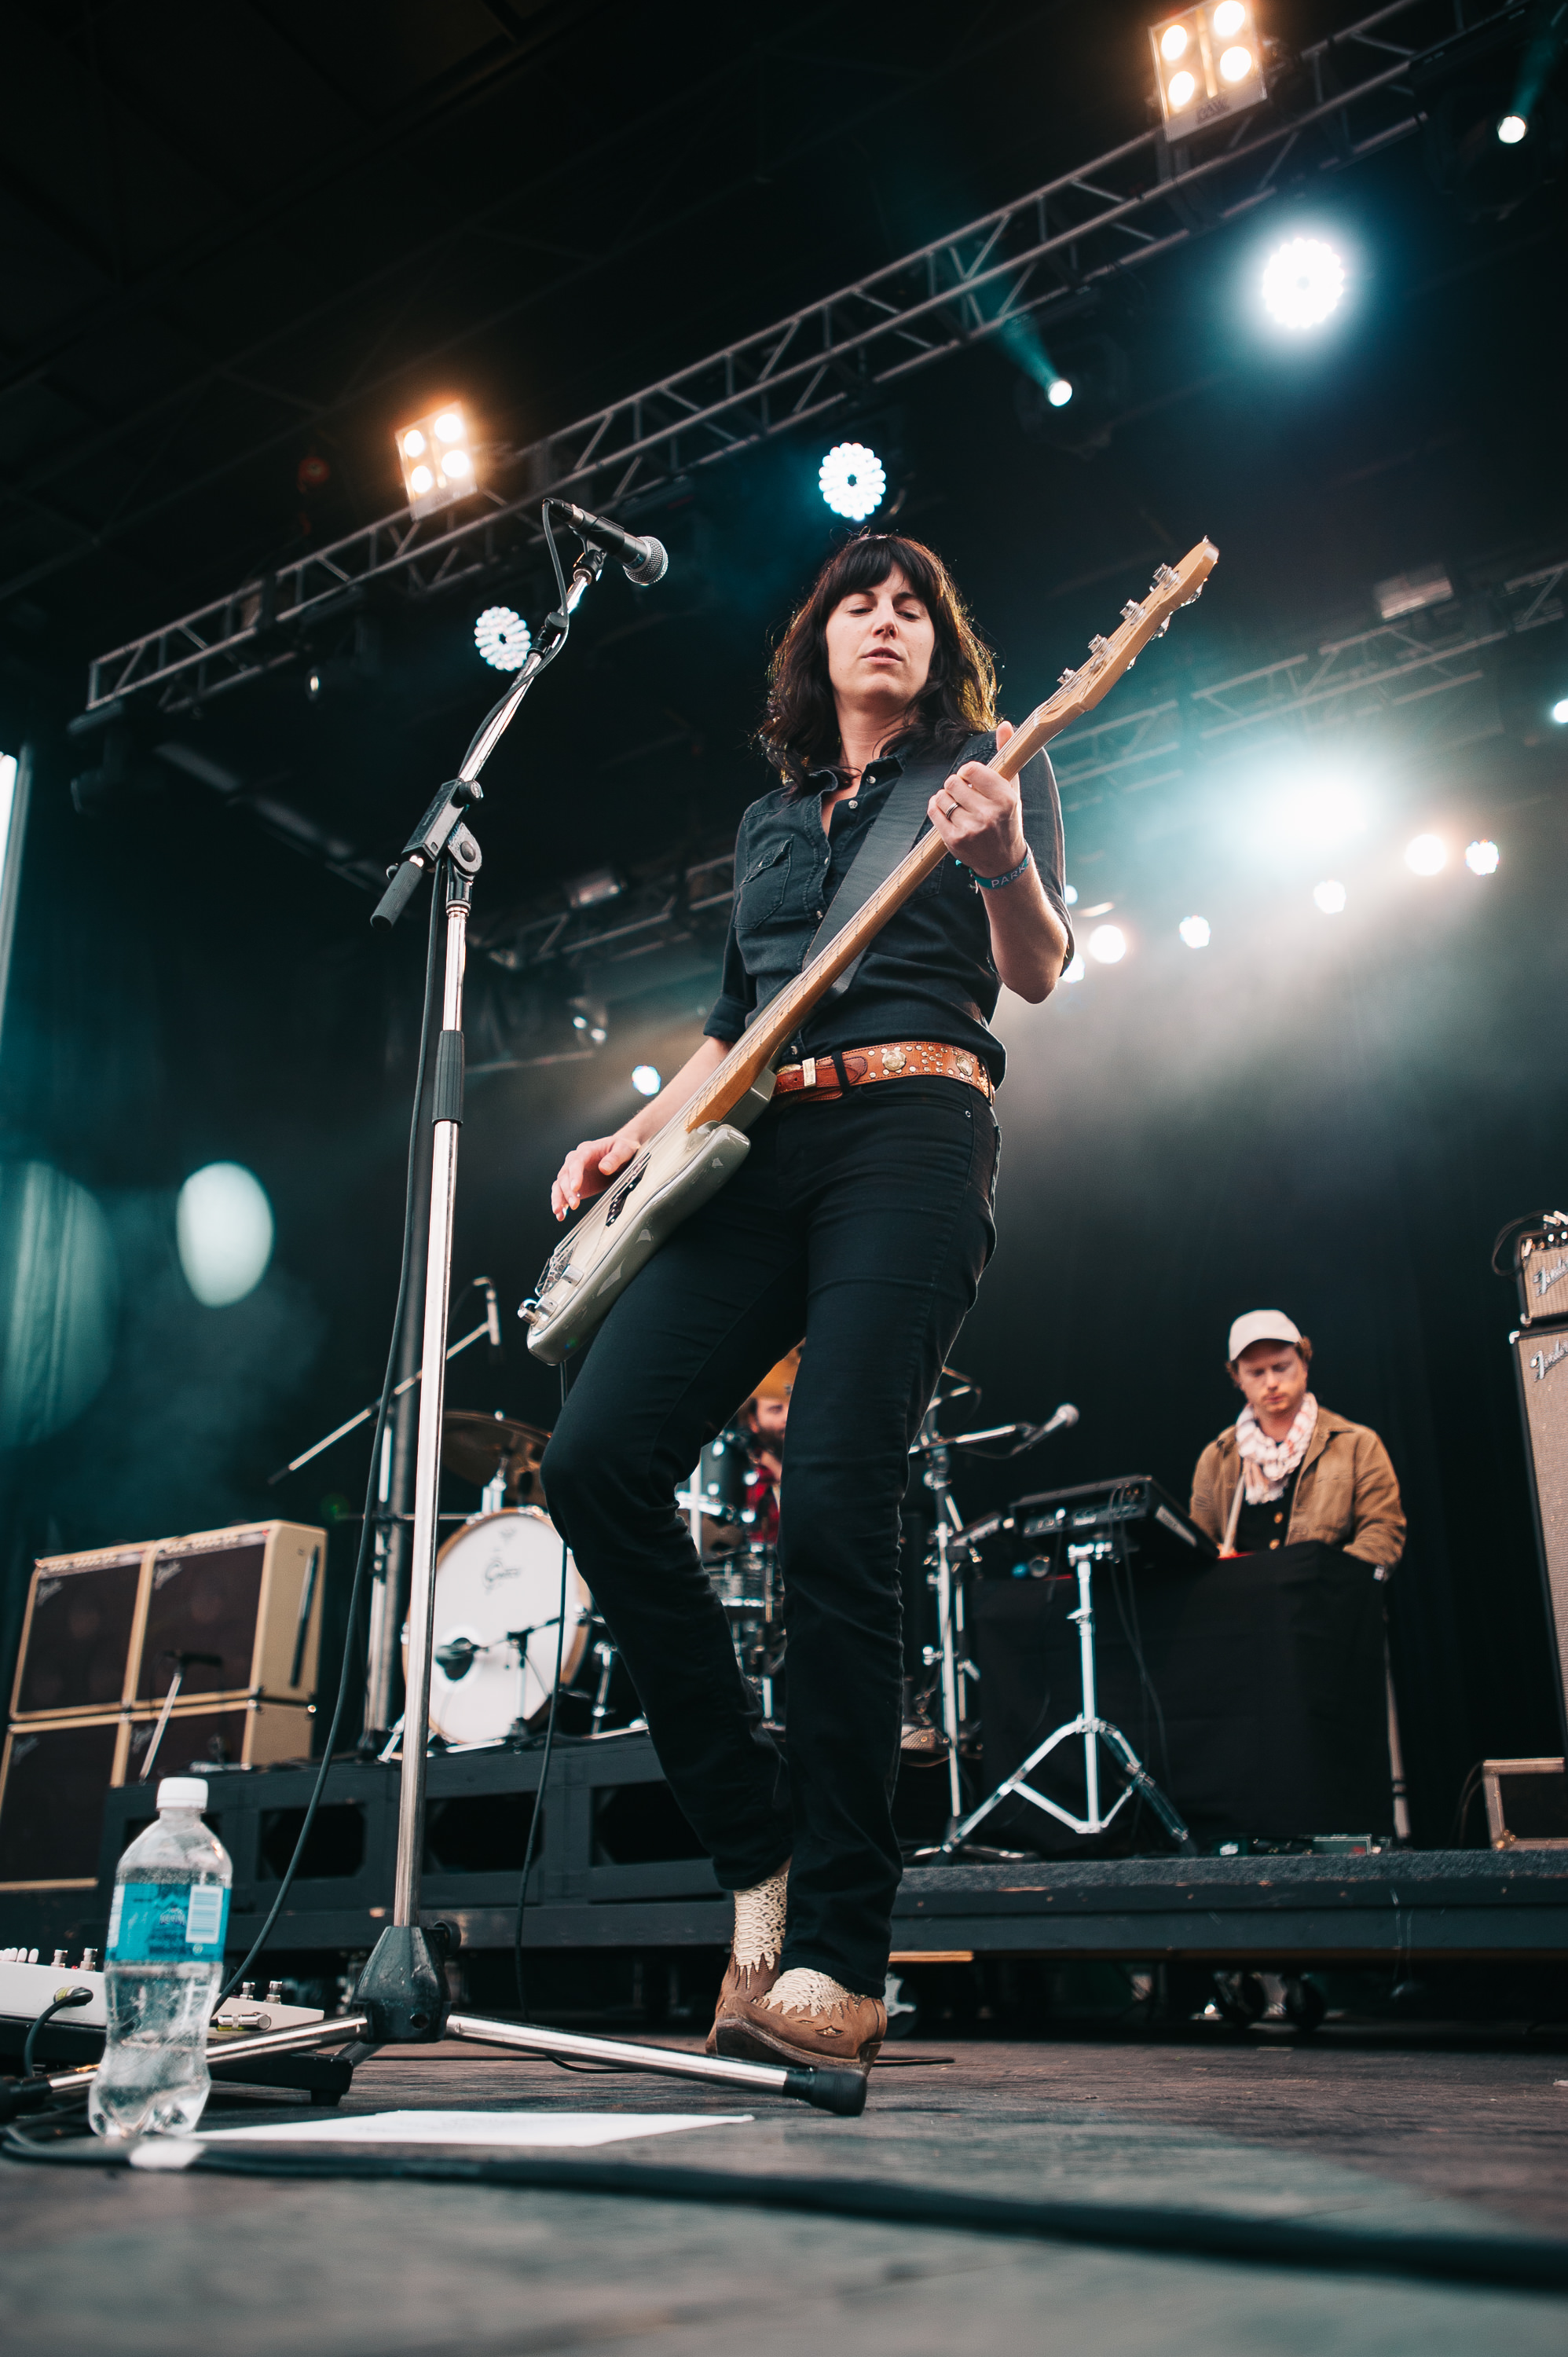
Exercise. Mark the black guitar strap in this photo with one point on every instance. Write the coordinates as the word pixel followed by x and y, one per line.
pixel 894 834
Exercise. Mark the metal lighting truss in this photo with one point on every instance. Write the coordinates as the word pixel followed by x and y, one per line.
pixel 1344 99
pixel 1350 679
pixel 1343 680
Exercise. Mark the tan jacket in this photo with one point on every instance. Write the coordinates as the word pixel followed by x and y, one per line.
pixel 1347 1495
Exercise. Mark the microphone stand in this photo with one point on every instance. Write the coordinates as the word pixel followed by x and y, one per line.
pixel 402 1998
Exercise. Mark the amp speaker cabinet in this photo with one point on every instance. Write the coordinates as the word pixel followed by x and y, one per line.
pixel 54 1775
pixel 104 1630
pixel 1541 1364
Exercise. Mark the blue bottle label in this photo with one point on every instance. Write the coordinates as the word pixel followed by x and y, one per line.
pixel 167 1922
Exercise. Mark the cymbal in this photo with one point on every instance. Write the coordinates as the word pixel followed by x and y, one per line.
pixel 780 1381
pixel 478 1446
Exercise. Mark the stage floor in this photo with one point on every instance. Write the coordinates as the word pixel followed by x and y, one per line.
pixel 1465 2135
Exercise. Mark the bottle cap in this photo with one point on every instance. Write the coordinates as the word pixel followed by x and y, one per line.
pixel 182 1792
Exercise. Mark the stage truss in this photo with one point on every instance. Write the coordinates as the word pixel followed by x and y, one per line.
pixel 1344 99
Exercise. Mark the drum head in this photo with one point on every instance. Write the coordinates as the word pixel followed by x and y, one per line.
pixel 497 1577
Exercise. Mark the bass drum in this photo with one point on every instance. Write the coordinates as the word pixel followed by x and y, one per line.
pixel 497 1590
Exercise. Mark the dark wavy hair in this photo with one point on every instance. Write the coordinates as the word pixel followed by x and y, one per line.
pixel 800 727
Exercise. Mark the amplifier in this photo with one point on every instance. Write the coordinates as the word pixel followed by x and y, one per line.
pixel 54 1775
pixel 1541 1365
pixel 108 1628
pixel 1526 1803
pixel 1541 1266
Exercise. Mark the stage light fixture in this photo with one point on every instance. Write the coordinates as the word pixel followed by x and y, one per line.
pixel 436 456
pixel 646 1081
pixel 1075 969
pixel 592 1017
pixel 1304 283
pixel 1207 67
pixel 1426 854
pixel 1108 944
pixel 502 638
pixel 592 889
pixel 1512 130
pixel 223 1226
pixel 1560 711
pixel 1481 858
pixel 852 480
pixel 1195 933
pixel 1069 894
pixel 1330 898
pixel 1060 393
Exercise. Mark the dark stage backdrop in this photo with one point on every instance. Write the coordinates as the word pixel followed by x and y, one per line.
pixel 1333 1116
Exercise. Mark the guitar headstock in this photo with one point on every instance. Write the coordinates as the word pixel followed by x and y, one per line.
pixel 1142 619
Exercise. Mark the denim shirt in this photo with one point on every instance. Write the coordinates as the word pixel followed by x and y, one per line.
pixel 929 974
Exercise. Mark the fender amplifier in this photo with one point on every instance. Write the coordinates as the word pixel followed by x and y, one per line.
pixel 1541 1365
pixel 109 1628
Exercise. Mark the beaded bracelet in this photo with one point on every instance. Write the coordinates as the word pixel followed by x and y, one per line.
pixel 994 883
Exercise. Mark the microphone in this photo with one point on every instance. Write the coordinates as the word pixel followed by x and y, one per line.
pixel 643 560
pixel 1066 1414
pixel 492 1320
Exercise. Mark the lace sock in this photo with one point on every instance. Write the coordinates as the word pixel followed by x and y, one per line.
pixel 759 1920
pixel 801 1990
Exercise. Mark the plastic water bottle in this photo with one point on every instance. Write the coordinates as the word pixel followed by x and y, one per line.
pixel 163 1967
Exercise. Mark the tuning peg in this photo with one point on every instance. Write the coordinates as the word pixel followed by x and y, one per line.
pixel 1132 611
pixel 1164 577
pixel 1066 679
pixel 1097 646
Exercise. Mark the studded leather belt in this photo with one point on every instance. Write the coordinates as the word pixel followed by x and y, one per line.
pixel 900 1059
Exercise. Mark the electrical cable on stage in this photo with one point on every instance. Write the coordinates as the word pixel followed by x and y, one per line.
pixel 1514 2262
pixel 367 1525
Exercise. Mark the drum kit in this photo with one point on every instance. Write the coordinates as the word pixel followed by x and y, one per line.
pixel 504 1575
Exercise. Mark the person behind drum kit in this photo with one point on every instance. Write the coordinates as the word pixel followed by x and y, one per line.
pixel 763 1422
pixel 862 1217
pixel 1288 1471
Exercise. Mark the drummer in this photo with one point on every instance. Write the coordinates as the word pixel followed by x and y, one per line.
pixel 763 1421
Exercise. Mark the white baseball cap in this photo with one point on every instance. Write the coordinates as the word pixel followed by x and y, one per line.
pixel 1261 1326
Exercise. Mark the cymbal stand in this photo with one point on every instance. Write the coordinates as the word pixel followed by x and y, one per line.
pixel 403 1991
pixel 948 1655
pixel 1095 1732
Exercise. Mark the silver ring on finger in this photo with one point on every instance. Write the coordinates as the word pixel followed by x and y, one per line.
pixel 952 810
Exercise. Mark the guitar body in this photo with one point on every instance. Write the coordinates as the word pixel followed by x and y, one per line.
pixel 623 1227
pixel 705 1141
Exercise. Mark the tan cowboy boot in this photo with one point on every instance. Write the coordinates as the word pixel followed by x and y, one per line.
pixel 805 2017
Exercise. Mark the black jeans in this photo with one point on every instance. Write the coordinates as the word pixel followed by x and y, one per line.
pixel 863 1224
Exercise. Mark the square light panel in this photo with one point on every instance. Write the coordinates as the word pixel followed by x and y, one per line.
pixel 1207 65
pixel 437 459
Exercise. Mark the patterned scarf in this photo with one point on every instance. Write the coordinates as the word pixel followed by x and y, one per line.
pixel 1267 1465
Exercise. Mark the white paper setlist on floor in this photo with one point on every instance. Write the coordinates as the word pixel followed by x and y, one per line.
pixel 481 2128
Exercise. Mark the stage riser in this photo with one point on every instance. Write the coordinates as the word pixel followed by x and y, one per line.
pixel 1269 1911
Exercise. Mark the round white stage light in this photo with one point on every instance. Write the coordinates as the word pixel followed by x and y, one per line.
pixel 1181 90
pixel 223 1224
pixel 502 638
pixel 1060 393
pixel 1228 18
pixel 1330 898
pixel 1426 854
pixel 1173 41
pixel 1195 933
pixel 1481 858
pixel 1512 130
pixel 1304 283
pixel 1075 970
pixel 1108 944
pixel 852 480
pixel 1236 65
pixel 1560 711
pixel 646 1081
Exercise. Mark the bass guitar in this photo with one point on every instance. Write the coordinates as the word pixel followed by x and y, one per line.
pixel 705 1141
